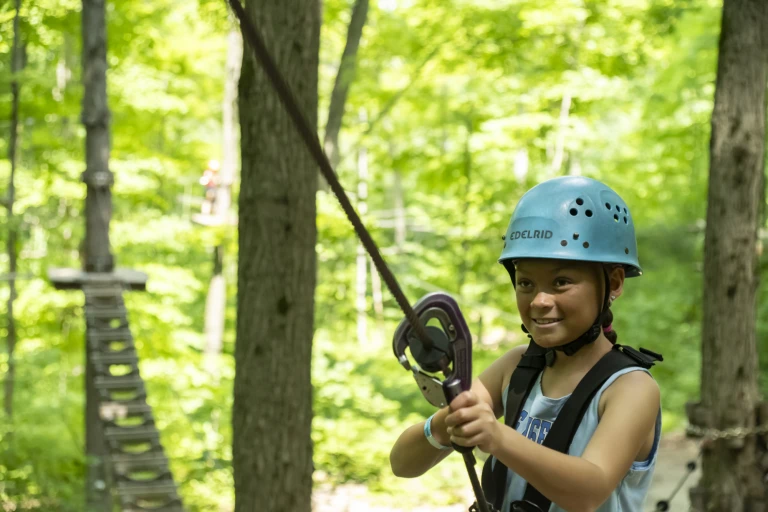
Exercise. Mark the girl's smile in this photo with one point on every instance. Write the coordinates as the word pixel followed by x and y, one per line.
pixel 558 300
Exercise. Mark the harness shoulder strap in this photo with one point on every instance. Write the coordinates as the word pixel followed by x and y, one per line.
pixel 567 422
pixel 494 478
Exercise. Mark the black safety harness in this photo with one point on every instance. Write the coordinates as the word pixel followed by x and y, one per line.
pixel 559 437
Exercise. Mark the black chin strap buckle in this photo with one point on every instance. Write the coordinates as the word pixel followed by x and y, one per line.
pixel 588 337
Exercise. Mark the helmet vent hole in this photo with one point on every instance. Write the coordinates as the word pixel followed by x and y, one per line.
pixel 626 250
pixel 616 218
pixel 586 245
pixel 625 211
pixel 588 213
pixel 607 206
pixel 574 212
pixel 564 242
pixel 625 221
pixel 579 201
pixel 575 236
pixel 618 208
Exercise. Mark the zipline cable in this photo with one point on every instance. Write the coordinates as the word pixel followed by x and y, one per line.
pixel 252 35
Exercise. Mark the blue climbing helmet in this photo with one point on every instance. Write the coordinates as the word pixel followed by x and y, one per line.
pixel 572 218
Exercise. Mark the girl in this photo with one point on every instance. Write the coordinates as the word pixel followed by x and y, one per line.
pixel 568 248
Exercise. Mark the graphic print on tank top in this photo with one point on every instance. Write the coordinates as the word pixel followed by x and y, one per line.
pixel 536 429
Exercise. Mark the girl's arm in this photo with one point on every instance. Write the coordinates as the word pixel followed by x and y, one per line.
pixel 412 455
pixel 584 483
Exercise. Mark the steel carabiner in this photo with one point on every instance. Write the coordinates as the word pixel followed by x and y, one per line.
pixel 451 353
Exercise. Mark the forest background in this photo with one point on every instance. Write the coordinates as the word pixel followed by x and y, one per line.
pixel 456 108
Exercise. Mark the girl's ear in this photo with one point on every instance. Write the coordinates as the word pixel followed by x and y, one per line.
pixel 616 277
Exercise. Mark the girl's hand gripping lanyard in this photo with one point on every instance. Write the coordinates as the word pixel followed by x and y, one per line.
pixel 451 354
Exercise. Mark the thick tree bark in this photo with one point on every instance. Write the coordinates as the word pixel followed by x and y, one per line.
pixel 731 480
pixel 344 79
pixel 272 411
pixel 13 144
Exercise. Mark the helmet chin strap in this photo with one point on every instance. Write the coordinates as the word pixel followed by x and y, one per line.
pixel 586 338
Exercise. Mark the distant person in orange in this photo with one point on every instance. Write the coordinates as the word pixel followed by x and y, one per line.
pixel 210 181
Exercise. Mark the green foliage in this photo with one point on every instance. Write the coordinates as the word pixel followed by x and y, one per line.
pixel 462 99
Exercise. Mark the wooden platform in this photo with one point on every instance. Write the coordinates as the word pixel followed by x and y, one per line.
pixel 214 220
pixel 74 279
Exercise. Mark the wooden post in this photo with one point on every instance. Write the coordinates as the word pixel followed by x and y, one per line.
pixel 97 176
pixel 98 212
pixel 98 264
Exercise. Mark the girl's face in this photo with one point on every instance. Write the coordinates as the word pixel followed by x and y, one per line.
pixel 558 300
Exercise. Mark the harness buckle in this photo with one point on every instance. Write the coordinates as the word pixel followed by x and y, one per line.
pixel 475 508
pixel 524 506
pixel 655 355
pixel 644 357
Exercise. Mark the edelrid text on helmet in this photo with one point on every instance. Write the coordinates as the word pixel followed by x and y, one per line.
pixel 572 218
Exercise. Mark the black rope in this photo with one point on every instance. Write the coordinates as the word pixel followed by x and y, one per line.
pixel 288 99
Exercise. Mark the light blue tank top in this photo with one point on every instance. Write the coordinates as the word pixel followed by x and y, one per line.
pixel 539 412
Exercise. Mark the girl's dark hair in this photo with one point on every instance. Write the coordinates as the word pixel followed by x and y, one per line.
pixel 608 320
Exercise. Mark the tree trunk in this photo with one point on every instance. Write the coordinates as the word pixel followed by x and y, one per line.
pixel 13 144
pixel 361 302
pixel 378 305
pixel 272 410
pixel 391 102
pixel 229 124
pixel 344 79
pixel 216 301
pixel 463 263
pixel 731 480
pixel 565 109
pixel 97 176
pixel 63 73
pixel 215 306
pixel 401 223
pixel 520 166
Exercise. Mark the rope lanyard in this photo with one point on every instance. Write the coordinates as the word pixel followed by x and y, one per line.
pixel 452 345
pixel 313 144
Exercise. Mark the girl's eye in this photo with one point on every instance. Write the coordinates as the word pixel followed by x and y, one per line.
pixel 561 281
pixel 524 283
